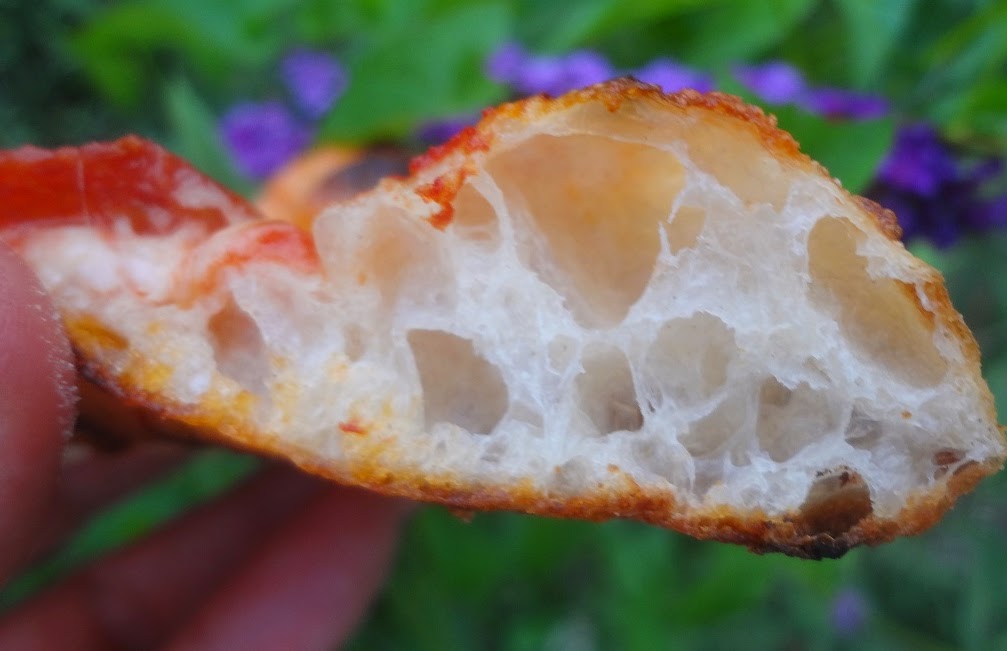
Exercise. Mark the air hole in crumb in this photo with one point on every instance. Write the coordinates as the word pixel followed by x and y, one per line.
pixel 399 256
pixel 494 452
pixel 836 502
pixel 598 205
pixel 709 473
pixel 710 433
pixel 688 361
pixel 606 391
pixel 238 348
pixel 573 476
pixel 663 459
pixel 525 413
pixel 563 351
pixel 882 317
pixel 354 342
pixel 863 432
pixel 474 217
pixel 686 225
pixel 459 385
pixel 945 459
pixel 790 419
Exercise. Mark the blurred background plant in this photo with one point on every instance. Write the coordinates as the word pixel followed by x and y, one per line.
pixel 905 100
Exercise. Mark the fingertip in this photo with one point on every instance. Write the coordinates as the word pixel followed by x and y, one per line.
pixel 307 586
pixel 37 401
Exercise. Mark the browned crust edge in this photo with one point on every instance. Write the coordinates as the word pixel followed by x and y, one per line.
pixel 129 413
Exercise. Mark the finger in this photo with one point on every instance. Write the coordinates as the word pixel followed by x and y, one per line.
pixel 134 599
pixel 91 481
pixel 307 586
pixel 96 479
pixel 36 405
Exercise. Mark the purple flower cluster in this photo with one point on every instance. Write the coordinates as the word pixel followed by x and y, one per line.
pixel 554 75
pixel 314 79
pixel 778 83
pixel 263 136
pixel 672 76
pixel 530 74
pixel 937 193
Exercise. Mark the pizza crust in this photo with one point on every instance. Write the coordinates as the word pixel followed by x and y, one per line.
pixel 617 303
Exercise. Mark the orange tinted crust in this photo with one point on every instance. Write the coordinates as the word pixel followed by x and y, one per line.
pixel 442 191
pixel 886 220
pixel 467 141
pixel 290 194
pixel 940 305
pixel 613 94
pixel 304 188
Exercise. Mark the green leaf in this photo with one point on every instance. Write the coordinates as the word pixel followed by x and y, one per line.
pixel 719 593
pixel 974 49
pixel 203 478
pixel 850 150
pixel 430 70
pixel 118 49
pixel 194 135
pixel 562 26
pixel 872 30
pixel 982 110
pixel 737 31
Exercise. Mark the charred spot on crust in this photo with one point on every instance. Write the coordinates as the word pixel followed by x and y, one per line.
pixel 836 502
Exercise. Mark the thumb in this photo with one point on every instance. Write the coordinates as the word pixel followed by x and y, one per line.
pixel 37 396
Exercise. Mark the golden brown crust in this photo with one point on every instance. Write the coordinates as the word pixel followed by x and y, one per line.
pixel 613 94
pixel 827 531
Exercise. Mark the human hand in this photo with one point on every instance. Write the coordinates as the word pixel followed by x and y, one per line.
pixel 283 561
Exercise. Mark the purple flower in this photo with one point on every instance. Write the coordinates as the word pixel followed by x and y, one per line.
pixel 584 68
pixel 440 131
pixel 315 80
pixel 849 612
pixel 991 213
pixel 918 162
pixel 558 75
pixel 505 64
pixel 839 103
pixel 261 137
pixel 935 193
pixel 538 75
pixel 776 82
pixel 530 75
pixel 672 76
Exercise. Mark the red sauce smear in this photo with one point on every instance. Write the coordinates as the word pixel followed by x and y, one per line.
pixel 352 427
pixel 101 184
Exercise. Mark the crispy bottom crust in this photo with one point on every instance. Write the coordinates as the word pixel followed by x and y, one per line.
pixel 125 412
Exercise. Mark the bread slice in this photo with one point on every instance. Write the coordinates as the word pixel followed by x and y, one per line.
pixel 617 303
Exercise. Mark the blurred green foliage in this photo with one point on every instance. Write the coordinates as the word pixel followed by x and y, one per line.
pixel 74 70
